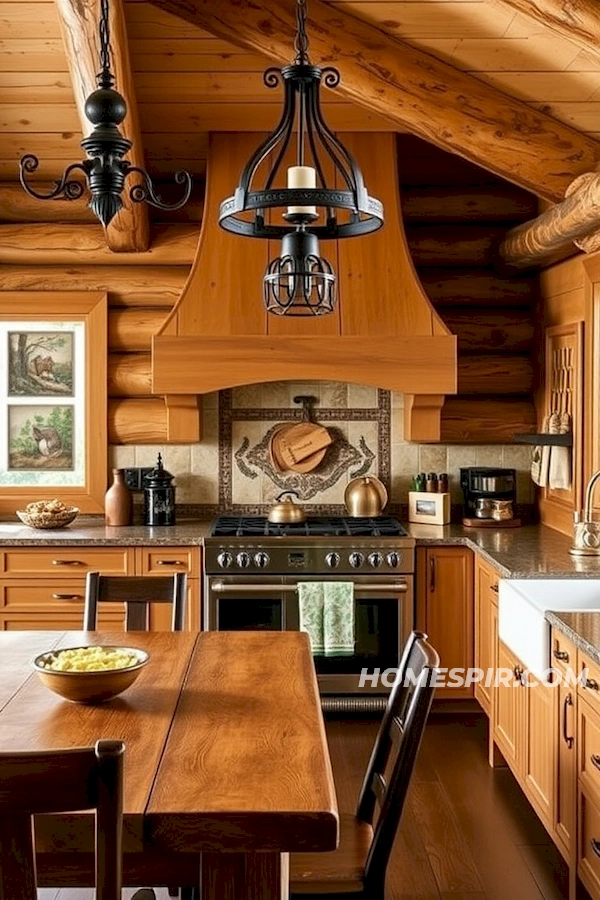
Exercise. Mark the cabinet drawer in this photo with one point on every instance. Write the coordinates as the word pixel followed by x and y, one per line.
pixel 590 686
pixel 564 653
pixel 33 596
pixel 588 763
pixel 164 560
pixel 588 853
pixel 42 620
pixel 64 562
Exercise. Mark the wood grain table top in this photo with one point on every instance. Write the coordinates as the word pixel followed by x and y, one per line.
pixel 225 743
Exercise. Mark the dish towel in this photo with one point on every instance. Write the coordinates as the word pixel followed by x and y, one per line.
pixel 559 475
pixel 541 459
pixel 327 615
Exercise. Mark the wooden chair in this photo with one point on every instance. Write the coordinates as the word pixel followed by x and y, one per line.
pixel 60 781
pixel 358 867
pixel 137 592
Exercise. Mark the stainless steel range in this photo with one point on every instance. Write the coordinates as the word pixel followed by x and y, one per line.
pixel 253 568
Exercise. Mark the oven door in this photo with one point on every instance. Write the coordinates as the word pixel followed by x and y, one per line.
pixel 238 604
pixel 383 619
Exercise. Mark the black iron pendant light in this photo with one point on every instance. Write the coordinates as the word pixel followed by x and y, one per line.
pixel 105 169
pixel 301 282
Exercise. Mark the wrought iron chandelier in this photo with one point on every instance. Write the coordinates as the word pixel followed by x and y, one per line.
pixel 301 282
pixel 105 169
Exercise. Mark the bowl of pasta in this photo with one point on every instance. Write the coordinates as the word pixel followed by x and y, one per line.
pixel 90 674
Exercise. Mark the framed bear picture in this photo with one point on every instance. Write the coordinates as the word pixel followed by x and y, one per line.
pixel 53 409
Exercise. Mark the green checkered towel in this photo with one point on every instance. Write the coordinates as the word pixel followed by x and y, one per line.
pixel 327 615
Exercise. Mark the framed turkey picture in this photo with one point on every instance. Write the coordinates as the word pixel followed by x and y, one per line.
pixel 53 408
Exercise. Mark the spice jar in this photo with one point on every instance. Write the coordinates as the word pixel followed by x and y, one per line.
pixel 159 496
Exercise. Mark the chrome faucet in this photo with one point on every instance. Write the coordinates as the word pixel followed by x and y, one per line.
pixel 586 532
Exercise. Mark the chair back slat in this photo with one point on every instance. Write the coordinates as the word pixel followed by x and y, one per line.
pixel 382 746
pixel 137 592
pixel 411 698
pixel 60 781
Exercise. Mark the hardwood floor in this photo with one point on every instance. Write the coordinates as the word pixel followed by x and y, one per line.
pixel 468 833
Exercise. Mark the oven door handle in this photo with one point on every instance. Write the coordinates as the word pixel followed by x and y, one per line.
pixel 221 587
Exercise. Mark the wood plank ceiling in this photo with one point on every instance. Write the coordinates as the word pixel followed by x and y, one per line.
pixel 189 83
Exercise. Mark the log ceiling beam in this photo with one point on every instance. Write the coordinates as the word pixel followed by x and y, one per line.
pixel 576 20
pixel 558 231
pixel 413 89
pixel 129 230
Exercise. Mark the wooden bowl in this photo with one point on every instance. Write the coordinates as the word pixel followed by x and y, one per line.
pixel 48 519
pixel 92 686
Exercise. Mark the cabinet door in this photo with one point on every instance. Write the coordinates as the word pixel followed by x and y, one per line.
pixel 588 853
pixel 509 710
pixel 486 619
pixel 539 760
pixel 445 609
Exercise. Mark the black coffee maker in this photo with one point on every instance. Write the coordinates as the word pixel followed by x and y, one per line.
pixel 489 494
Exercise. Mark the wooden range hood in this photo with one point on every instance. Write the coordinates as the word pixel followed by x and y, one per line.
pixel 384 331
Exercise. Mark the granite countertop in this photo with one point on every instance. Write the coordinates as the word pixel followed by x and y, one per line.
pixel 532 551
pixel 582 628
pixel 92 530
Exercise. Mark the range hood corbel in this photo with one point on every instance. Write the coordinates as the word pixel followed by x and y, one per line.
pixel 384 331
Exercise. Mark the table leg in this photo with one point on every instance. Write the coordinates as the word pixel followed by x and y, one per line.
pixel 244 876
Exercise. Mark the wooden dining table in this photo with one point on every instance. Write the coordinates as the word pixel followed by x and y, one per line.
pixel 227 769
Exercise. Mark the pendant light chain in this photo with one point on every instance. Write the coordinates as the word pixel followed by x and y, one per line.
pixel 105 77
pixel 301 40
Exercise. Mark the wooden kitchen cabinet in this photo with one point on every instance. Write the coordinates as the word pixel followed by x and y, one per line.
pixel 43 588
pixel 567 739
pixel 509 710
pixel 486 629
pixel 445 609
pixel 524 730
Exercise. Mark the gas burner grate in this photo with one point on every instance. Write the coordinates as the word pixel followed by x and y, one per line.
pixel 328 526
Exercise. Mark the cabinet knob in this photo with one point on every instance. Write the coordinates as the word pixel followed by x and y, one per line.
pixel 592 684
pixel 562 655
pixel 169 562
pixel 67 596
pixel 595 845
pixel 595 760
pixel 67 562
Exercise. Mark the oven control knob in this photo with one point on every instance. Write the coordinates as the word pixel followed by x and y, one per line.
pixel 243 560
pixel 261 559
pixel 356 560
pixel 224 559
pixel 333 560
pixel 375 560
pixel 393 559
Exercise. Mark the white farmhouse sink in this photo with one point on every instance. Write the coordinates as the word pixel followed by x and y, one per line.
pixel 522 604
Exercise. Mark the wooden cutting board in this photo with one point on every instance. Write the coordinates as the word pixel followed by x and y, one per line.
pixel 302 441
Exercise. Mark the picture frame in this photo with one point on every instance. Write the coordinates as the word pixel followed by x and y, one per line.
pixel 53 398
pixel 426 508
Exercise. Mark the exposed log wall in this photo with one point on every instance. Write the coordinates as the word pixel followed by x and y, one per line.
pixel 491 315
pixel 452 228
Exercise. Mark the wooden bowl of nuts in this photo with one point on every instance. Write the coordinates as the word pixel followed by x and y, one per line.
pixel 47 514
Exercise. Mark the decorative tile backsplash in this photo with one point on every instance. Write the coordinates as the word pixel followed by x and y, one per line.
pixel 231 468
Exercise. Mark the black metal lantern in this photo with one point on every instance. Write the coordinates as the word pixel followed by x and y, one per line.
pixel 301 281
pixel 105 169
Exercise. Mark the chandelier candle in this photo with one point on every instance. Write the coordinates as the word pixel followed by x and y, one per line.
pixel 301 177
